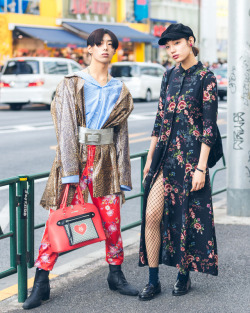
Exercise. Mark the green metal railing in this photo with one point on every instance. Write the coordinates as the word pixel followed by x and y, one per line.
pixel 12 234
pixel 22 226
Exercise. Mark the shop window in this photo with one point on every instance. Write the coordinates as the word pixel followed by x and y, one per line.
pixel 55 68
pixel 22 67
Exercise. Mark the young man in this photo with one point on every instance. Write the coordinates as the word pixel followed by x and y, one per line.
pixel 90 112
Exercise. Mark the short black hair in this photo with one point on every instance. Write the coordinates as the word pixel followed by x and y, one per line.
pixel 96 37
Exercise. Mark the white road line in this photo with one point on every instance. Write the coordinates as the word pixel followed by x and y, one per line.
pixel 25 128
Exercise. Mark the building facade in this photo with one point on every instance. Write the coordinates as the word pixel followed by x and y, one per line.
pixel 165 12
pixel 41 16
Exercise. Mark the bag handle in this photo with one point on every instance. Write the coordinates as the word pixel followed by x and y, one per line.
pixel 63 204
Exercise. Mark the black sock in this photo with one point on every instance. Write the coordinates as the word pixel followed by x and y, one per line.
pixel 153 275
pixel 183 277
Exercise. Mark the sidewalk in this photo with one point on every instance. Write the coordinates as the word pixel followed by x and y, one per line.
pixel 85 289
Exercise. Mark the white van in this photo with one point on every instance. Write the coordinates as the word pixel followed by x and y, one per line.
pixel 33 79
pixel 142 79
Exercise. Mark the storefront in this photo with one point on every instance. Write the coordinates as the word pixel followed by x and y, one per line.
pixel 132 42
pixel 46 41
pixel 37 39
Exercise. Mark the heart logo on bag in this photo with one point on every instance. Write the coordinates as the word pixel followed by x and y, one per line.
pixel 80 229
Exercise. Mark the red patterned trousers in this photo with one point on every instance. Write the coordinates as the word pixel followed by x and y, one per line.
pixel 109 208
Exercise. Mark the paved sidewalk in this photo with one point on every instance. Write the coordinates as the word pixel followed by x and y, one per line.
pixel 85 289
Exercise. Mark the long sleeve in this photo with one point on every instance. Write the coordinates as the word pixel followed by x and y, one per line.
pixel 210 109
pixel 65 121
pixel 160 110
pixel 123 155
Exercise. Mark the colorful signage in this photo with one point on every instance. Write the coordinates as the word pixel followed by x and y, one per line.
pixel 90 7
pixel 141 9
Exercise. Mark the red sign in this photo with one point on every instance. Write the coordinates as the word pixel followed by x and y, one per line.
pixel 89 7
pixel 158 30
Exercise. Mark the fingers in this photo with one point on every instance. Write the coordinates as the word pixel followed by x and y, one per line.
pixel 197 186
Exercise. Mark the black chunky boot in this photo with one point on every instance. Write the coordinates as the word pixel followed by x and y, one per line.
pixel 117 281
pixel 40 291
pixel 182 285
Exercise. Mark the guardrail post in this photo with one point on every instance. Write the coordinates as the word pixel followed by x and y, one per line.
pixel 12 208
pixel 22 239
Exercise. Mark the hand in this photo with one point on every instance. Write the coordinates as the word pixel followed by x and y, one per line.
pixel 198 181
pixel 146 168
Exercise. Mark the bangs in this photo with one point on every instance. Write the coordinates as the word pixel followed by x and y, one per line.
pixel 96 37
pixel 176 38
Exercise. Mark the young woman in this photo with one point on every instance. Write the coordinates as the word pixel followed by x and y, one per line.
pixel 178 227
pixel 86 103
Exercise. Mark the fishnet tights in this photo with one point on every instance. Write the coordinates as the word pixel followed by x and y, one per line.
pixel 154 212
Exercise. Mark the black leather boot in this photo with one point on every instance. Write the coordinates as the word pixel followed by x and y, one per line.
pixel 181 287
pixel 40 291
pixel 117 281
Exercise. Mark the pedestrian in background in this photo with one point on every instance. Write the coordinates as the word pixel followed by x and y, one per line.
pixel 90 102
pixel 177 225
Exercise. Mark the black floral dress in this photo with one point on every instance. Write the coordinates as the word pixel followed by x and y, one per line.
pixel 186 117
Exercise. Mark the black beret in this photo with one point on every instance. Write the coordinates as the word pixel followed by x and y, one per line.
pixel 174 32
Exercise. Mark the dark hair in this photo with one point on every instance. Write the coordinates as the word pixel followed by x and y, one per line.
pixel 96 37
pixel 194 49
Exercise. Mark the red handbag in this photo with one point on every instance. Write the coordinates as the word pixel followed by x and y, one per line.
pixel 75 226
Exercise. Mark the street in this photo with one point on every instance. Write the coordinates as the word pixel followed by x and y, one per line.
pixel 28 146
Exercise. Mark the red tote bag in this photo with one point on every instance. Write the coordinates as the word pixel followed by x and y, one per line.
pixel 75 226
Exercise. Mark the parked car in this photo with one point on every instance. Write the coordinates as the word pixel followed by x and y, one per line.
pixel 222 81
pixel 142 79
pixel 33 79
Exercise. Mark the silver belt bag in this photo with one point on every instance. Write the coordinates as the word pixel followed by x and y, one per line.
pixel 96 137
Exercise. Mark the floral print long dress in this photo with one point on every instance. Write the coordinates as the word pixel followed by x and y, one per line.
pixel 186 117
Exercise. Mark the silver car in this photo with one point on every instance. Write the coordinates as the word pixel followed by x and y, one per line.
pixel 142 79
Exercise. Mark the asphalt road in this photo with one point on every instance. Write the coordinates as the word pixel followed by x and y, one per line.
pixel 85 289
pixel 27 141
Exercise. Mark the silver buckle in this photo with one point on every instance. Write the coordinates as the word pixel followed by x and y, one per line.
pixel 92 138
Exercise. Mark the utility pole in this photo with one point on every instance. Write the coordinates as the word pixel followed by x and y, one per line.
pixel 238 119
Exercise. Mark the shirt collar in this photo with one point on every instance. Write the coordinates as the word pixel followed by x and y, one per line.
pixel 191 69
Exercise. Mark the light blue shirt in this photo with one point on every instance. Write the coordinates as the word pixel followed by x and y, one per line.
pixel 99 103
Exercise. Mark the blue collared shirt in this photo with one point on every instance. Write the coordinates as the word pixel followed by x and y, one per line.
pixel 99 102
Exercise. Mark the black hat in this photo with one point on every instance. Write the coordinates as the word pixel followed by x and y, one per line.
pixel 174 32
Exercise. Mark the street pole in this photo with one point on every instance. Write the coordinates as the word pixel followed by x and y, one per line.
pixel 238 142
